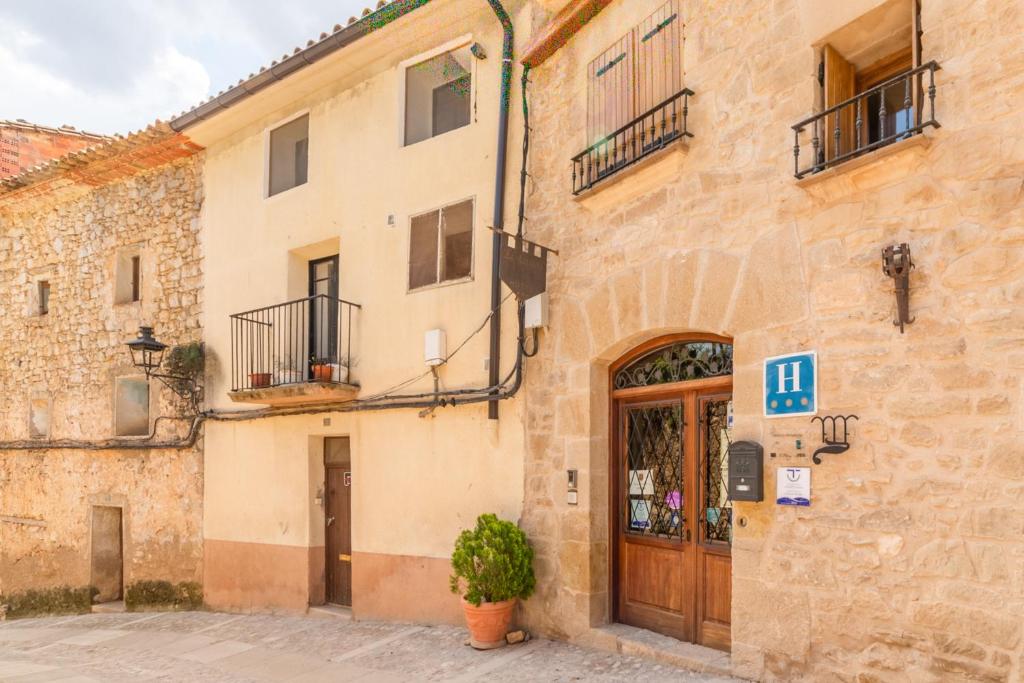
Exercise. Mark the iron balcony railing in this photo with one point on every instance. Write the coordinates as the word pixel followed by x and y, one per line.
pixel 646 134
pixel 306 340
pixel 889 112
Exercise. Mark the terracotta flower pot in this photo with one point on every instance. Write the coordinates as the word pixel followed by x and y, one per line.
pixel 488 623
pixel 260 380
pixel 322 372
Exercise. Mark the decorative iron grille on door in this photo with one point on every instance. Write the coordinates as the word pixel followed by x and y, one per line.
pixel 716 508
pixel 654 471
pixel 636 101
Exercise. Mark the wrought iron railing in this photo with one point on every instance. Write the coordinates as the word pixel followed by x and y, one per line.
pixel 867 121
pixel 306 340
pixel 646 134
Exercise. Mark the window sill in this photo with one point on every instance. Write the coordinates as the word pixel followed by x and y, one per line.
pixel 440 285
pixel 644 176
pixel 299 393
pixel 872 170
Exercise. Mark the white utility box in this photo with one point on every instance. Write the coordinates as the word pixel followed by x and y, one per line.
pixel 435 347
pixel 536 312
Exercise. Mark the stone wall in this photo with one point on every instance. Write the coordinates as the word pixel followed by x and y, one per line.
pixel 909 565
pixel 64 363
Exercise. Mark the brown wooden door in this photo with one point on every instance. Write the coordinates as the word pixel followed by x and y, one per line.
pixel 337 508
pixel 673 569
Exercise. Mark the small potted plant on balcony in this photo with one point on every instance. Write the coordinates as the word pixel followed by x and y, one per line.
pixel 322 369
pixel 286 371
pixel 492 567
pixel 260 380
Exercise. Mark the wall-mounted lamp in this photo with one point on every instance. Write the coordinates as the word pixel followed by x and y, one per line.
pixel 478 51
pixel 897 264
pixel 148 354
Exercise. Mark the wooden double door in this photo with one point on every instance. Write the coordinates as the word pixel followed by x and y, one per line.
pixel 672 565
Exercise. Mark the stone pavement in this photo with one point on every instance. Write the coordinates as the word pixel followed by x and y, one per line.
pixel 207 647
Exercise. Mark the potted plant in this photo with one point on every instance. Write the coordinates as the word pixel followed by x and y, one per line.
pixel 322 369
pixel 492 567
pixel 286 371
pixel 260 380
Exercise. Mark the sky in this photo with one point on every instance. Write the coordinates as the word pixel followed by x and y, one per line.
pixel 115 66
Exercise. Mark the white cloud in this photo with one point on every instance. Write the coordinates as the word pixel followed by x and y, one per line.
pixel 117 65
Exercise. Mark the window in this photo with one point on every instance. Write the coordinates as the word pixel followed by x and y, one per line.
pixel 636 102
pixel 437 95
pixel 874 88
pixel 636 74
pixel 131 406
pixel 441 245
pixel 128 277
pixel 43 296
pixel 289 155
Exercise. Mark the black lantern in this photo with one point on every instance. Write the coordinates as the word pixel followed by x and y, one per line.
pixel 147 353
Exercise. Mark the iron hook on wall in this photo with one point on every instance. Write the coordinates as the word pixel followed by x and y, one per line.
pixel 836 443
pixel 897 264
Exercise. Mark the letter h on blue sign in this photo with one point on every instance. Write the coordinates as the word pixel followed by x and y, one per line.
pixel 791 385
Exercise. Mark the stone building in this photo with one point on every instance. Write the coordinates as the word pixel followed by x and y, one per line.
pixel 24 145
pixel 95 488
pixel 691 256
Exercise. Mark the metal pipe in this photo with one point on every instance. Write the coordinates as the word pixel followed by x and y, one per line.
pixel 499 198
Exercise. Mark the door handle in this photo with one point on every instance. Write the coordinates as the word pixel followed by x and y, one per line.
pixel 329 520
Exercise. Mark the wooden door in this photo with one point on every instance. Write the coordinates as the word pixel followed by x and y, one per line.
pixel 107 562
pixel 338 509
pixel 672 519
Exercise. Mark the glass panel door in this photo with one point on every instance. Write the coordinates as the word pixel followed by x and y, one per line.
pixel 323 314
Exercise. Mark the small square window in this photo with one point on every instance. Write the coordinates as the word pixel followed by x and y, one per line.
pixel 131 406
pixel 441 245
pixel 43 296
pixel 289 155
pixel 437 95
pixel 128 277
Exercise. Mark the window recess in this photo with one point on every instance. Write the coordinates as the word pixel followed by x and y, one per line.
pixel 874 90
pixel 438 94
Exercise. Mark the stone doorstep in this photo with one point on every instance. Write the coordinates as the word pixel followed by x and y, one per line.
pixel 330 612
pixel 638 642
pixel 109 607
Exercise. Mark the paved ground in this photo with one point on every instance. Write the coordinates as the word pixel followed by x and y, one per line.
pixel 207 647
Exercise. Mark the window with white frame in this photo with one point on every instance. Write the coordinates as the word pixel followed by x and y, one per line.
pixel 289 155
pixel 437 95
pixel 441 245
pixel 131 406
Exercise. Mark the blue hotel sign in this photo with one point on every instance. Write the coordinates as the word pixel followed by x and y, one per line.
pixel 791 385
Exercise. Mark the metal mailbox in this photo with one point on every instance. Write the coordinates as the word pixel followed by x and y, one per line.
pixel 746 471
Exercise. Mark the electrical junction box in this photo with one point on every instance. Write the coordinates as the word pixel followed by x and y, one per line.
pixel 435 347
pixel 535 313
pixel 746 471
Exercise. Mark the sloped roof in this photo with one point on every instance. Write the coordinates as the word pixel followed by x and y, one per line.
pixel 111 158
pixel 38 128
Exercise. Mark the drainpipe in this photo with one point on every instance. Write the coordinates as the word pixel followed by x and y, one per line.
pixel 499 201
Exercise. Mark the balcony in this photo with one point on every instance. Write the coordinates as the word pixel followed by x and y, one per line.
pixel 647 134
pixel 295 353
pixel 888 113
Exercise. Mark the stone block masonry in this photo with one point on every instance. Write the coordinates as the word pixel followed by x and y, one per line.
pixel 59 372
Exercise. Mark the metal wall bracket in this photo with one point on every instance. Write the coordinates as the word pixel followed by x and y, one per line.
pixel 835 442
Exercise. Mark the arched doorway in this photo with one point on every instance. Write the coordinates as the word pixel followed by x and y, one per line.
pixel 671 516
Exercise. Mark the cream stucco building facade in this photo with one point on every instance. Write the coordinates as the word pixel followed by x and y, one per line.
pixel 416 478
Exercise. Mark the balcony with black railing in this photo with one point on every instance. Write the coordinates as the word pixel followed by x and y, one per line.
pixel 890 112
pixel 651 132
pixel 298 352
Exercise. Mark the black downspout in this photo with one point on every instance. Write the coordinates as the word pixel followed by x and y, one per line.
pixel 499 202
